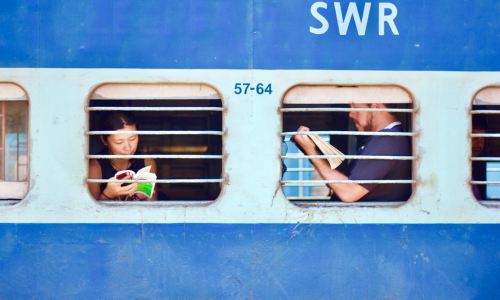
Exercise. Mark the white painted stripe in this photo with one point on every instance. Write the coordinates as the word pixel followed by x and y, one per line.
pixel 252 149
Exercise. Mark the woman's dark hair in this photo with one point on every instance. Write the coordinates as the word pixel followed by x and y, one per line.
pixel 116 120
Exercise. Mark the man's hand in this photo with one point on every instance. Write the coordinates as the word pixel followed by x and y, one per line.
pixel 303 141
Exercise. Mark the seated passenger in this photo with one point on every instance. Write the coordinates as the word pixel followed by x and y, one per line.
pixel 368 169
pixel 118 144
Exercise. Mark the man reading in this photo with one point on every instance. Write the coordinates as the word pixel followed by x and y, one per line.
pixel 368 169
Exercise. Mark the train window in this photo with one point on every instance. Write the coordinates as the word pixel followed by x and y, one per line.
pixel 14 158
pixel 175 129
pixel 485 144
pixel 370 129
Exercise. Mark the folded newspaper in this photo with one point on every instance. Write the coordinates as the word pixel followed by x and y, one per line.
pixel 327 149
pixel 143 188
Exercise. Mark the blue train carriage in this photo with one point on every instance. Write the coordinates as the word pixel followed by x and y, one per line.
pixel 218 88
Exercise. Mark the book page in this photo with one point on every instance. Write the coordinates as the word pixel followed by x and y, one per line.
pixel 327 149
pixel 145 188
pixel 146 169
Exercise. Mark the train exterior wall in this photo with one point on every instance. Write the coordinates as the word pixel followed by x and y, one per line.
pixel 444 35
pixel 251 243
pixel 259 261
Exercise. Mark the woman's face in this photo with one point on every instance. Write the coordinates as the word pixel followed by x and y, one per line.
pixel 123 143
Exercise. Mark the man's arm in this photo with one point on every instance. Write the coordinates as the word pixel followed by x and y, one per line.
pixel 347 192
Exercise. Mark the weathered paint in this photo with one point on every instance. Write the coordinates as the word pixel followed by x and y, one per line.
pixel 214 261
pixel 443 35
pixel 59 51
pixel 442 195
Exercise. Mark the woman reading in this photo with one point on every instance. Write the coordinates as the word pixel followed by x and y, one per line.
pixel 119 143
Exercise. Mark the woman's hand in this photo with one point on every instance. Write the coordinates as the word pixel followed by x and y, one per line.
pixel 303 141
pixel 114 190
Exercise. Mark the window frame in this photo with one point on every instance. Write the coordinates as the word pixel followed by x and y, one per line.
pixel 159 94
pixel 11 91
pixel 484 98
pixel 347 91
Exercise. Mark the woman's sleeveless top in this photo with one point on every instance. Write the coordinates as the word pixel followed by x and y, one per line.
pixel 108 171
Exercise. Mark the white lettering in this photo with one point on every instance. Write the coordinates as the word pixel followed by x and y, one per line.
pixel 324 22
pixel 352 11
pixel 387 13
pixel 389 19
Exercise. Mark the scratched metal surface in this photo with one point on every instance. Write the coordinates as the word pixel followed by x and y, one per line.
pixel 245 34
pixel 213 261
pixel 193 259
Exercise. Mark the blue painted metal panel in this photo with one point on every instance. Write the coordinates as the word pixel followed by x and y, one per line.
pixel 128 34
pixel 245 34
pixel 433 35
pixel 202 261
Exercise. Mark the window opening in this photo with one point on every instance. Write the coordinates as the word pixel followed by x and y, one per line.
pixel 179 126
pixel 14 161
pixel 485 145
pixel 326 111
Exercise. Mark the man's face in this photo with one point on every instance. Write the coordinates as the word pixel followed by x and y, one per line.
pixel 362 119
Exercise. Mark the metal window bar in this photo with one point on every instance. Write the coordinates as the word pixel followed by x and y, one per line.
pixel 485 182
pixel 485 111
pixel 300 170
pixel 169 203
pixel 374 157
pixel 169 181
pixel 335 132
pixel 485 135
pixel 378 203
pixel 159 156
pixel 482 158
pixel 309 198
pixel 144 108
pixel 345 109
pixel 158 132
pixel 323 182
pixel 162 98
